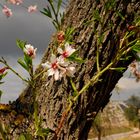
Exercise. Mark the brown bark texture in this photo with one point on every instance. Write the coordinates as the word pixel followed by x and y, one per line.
pixel 52 96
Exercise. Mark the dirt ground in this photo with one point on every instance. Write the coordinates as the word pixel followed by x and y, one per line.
pixel 136 134
pixel 133 136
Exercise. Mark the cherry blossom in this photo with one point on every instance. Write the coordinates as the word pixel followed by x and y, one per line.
pixel 52 67
pixel 58 67
pixel 7 11
pixel 67 52
pixel 32 8
pixel 60 36
pixel 16 2
pixel 30 50
pixel 2 70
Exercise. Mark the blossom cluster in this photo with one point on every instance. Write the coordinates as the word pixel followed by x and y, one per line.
pixel 134 68
pixel 8 12
pixel 60 66
pixel 57 66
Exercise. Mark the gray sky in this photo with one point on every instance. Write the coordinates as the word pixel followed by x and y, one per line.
pixel 36 29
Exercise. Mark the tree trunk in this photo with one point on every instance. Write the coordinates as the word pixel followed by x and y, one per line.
pixel 52 96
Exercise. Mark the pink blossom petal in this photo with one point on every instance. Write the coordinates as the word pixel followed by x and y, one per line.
pixel 7 11
pixel 69 49
pixel 60 50
pixel 53 58
pixel 62 62
pixel 46 65
pixel 56 75
pixel 32 8
pixel 51 72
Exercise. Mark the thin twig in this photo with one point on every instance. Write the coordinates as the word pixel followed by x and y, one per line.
pixel 2 60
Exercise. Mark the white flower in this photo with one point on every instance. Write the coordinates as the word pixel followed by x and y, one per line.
pixel 30 51
pixel 67 52
pixel 52 67
pixel 57 67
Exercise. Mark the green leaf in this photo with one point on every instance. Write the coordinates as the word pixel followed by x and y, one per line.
pixel 126 58
pixel 55 24
pixel 96 15
pixel 100 39
pixel 28 136
pixel 129 34
pixel 3 75
pixel 46 131
pixel 22 137
pixel 47 12
pixel 136 46
pixel 120 15
pixel 110 4
pixel 20 44
pixel 58 5
pixel 68 33
pixel 119 69
pixel 43 132
pixel 50 1
pixel 0 94
pixel 62 17
pixel 28 60
pixel 73 87
pixel 21 62
pixel 76 59
pixel 25 137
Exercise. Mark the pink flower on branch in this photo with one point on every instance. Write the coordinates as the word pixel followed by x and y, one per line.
pixel 32 8
pixel 30 50
pixel 2 70
pixel 58 67
pixel 7 11
pixel 67 52
pixel 15 2
pixel 52 67
pixel 60 36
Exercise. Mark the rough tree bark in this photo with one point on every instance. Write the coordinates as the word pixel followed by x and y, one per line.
pixel 52 96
